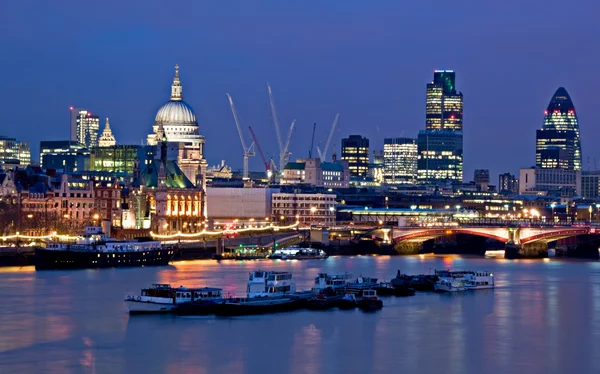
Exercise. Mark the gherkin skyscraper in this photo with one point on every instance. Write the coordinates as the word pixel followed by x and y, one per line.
pixel 558 143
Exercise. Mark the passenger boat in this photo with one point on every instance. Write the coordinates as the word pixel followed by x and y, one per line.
pixel 336 282
pixel 270 284
pixel 162 298
pixel 369 301
pixel 96 250
pixel 453 281
pixel 348 301
pixel 478 280
pixel 298 253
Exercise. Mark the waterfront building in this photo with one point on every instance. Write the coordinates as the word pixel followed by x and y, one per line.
pixel 231 204
pixel 355 150
pixel 178 121
pixel 306 208
pixel 312 172
pixel 590 184
pixel 400 160
pixel 88 126
pixel 481 177
pixel 558 142
pixel 108 202
pixel 440 146
pixel 507 182
pixel 14 152
pixel 64 156
pixel 164 200
pixel 107 139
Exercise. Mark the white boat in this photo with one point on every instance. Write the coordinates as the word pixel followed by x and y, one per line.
pixel 477 280
pixel 361 283
pixel 298 253
pixel 270 284
pixel 337 282
pixel 453 281
pixel 162 298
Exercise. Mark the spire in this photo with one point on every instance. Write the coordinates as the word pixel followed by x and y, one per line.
pixel 176 94
pixel 107 138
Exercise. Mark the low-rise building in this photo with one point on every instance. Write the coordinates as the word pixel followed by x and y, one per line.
pixel 239 203
pixel 306 208
pixel 314 173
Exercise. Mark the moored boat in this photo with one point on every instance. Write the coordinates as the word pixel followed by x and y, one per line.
pixel 369 301
pixel 162 298
pixel 257 305
pixel 361 283
pixel 348 301
pixel 96 250
pixel 388 289
pixel 270 284
pixel 335 282
pixel 478 280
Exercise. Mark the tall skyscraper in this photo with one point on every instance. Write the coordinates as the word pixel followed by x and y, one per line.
pixel 355 150
pixel 88 126
pixel 440 145
pixel 558 144
pixel 400 160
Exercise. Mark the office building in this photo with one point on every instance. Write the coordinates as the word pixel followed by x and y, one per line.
pixel 306 208
pixel 507 182
pixel 558 142
pixel 440 145
pixel 355 150
pixel 555 182
pixel 481 178
pixel 400 160
pixel 590 184
pixel 88 126
pixel 119 159
pixel 14 152
pixel 377 168
pixel 64 156
pixel 312 172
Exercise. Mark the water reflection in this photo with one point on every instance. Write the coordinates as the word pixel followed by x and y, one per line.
pixel 543 317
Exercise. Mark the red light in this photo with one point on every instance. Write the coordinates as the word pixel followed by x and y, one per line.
pixel 89 114
pixel 545 112
pixel 70 108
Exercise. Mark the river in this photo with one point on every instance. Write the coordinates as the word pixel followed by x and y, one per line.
pixel 543 317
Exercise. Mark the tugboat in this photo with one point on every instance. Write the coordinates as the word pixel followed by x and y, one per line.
pixel 162 298
pixel 324 300
pixel 347 302
pixel 369 301
pixel 96 250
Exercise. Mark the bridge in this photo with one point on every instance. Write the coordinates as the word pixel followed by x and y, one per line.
pixel 527 241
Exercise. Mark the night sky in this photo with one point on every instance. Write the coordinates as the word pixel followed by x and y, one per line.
pixel 368 60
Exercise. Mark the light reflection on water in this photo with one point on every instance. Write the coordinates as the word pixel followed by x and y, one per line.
pixel 543 317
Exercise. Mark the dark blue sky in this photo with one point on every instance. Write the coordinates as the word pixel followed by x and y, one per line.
pixel 368 60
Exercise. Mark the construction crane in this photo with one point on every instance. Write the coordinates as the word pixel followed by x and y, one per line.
pixel 248 151
pixel 260 152
pixel 312 142
pixel 283 147
pixel 323 155
pixel 286 145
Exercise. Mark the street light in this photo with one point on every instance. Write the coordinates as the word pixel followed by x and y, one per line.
pixel 552 206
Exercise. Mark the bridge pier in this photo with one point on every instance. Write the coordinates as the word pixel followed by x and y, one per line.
pixel 408 248
pixel 529 250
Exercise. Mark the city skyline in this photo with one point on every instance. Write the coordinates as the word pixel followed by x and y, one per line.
pixel 314 73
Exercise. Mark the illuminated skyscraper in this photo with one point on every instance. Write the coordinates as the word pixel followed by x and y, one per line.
pixel 400 160
pixel 558 144
pixel 440 145
pixel 88 126
pixel 355 150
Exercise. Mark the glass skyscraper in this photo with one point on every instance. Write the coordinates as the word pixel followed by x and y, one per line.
pixel 440 145
pixel 400 160
pixel 88 126
pixel 355 150
pixel 558 143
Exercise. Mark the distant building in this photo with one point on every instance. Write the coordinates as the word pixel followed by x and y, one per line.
pixel 107 200
pixel 13 151
pixel 239 203
pixel 313 172
pixel 376 169
pixel 355 150
pixel 590 184
pixel 440 146
pixel 481 177
pixel 440 156
pixel 558 143
pixel 107 139
pixel 119 159
pixel 556 182
pixel 307 208
pixel 64 156
pixel 88 126
pixel 508 183
pixel 400 160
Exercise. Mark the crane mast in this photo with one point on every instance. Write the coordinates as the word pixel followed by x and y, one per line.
pixel 323 155
pixel 262 155
pixel 248 151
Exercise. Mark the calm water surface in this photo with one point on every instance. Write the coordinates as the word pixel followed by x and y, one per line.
pixel 543 317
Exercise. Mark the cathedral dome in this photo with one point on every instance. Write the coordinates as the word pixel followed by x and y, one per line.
pixel 176 113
